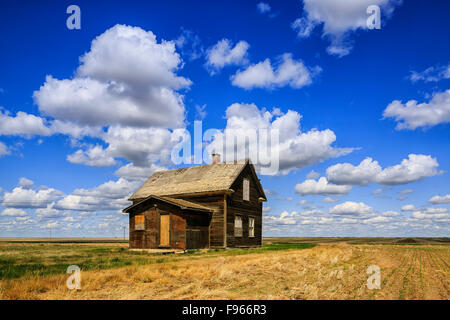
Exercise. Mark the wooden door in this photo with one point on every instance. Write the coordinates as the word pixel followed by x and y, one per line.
pixel 164 230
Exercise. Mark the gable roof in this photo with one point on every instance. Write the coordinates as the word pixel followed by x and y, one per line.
pixel 182 204
pixel 206 178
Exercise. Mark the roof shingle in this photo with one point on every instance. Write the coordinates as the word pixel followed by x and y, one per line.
pixel 183 204
pixel 206 178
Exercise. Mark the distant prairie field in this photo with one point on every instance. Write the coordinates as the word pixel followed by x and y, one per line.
pixel 327 269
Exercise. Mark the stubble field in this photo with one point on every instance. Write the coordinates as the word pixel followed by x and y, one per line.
pixel 295 270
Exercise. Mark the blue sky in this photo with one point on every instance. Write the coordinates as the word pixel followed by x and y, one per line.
pixel 83 122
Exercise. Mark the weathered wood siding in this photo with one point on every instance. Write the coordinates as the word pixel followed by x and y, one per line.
pixel 201 231
pixel 149 238
pixel 252 208
pixel 217 224
pixel 197 231
pixel 177 231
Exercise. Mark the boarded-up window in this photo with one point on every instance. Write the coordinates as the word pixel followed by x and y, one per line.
pixel 238 226
pixel 246 192
pixel 251 227
pixel 139 222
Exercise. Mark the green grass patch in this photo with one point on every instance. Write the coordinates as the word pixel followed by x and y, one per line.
pixel 29 261
pixel 269 247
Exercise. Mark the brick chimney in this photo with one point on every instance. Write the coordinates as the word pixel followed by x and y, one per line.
pixel 215 158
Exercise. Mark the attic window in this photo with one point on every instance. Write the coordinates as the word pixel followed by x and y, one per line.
pixel 237 226
pixel 139 222
pixel 246 192
pixel 251 227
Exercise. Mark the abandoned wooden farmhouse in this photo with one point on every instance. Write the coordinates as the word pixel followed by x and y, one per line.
pixel 218 205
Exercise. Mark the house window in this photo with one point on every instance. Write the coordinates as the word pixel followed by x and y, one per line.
pixel 246 192
pixel 238 226
pixel 139 222
pixel 251 227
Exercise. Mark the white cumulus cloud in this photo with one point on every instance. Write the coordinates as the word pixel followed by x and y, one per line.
pixel 25 183
pixel 126 78
pixel 296 149
pixel 13 212
pixel 223 54
pixel 48 212
pixel 408 207
pixel 339 20
pixel 440 199
pixel 391 213
pixel 430 213
pixel 320 187
pixel 111 195
pixel 431 74
pixel 23 124
pixel 412 114
pixel 21 197
pixel 95 156
pixel 415 168
pixel 142 146
pixel 377 219
pixel 329 200
pixel 285 72
pixel 351 208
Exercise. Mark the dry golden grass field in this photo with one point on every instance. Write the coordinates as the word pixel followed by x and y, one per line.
pixel 410 269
